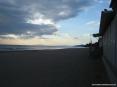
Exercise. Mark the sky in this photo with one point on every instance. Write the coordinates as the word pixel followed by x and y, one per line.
pixel 49 22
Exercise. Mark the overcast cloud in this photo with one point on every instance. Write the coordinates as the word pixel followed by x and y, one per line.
pixel 37 17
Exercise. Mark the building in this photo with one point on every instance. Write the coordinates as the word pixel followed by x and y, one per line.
pixel 108 33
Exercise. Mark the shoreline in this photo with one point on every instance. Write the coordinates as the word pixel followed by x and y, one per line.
pixel 45 49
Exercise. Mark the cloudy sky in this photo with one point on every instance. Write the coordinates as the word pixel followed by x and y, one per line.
pixel 49 22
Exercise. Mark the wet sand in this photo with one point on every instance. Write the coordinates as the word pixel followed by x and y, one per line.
pixel 51 68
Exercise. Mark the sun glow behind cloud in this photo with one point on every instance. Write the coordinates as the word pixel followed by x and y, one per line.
pixel 40 41
pixel 57 39
pixel 38 18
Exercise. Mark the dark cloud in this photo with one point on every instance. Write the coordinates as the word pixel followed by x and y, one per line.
pixel 24 28
pixel 14 14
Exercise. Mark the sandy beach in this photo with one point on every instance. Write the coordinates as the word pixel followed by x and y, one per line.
pixel 51 68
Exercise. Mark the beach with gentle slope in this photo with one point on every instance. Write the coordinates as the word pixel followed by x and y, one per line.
pixel 51 68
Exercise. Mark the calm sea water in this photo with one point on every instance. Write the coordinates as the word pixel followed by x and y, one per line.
pixel 27 47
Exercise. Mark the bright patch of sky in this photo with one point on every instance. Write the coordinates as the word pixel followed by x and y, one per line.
pixel 86 22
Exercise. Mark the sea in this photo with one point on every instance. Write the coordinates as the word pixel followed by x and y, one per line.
pixel 31 47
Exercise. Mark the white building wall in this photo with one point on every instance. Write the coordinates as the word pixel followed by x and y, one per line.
pixel 115 27
pixel 110 51
pixel 110 43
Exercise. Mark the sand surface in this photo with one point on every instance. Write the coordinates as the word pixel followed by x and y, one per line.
pixel 51 68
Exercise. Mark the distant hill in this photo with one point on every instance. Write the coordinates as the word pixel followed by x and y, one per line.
pixel 82 45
